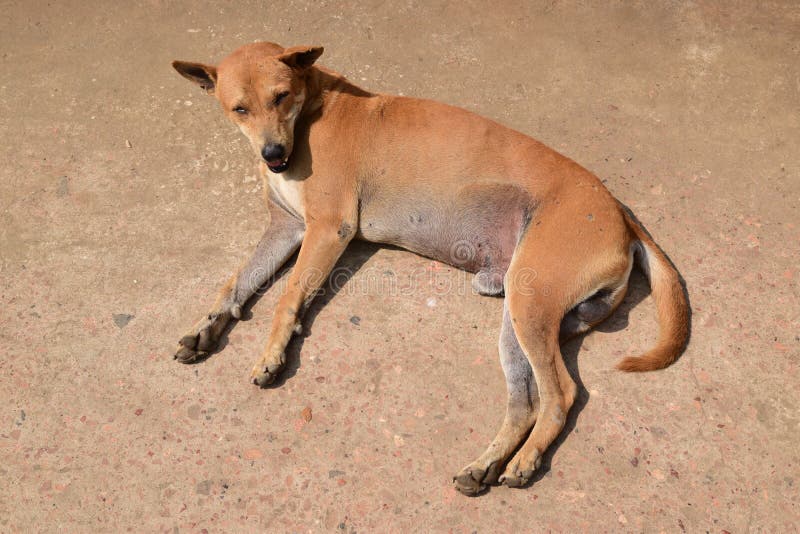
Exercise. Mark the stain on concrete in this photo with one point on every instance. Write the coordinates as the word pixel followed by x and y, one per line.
pixel 63 187
pixel 122 319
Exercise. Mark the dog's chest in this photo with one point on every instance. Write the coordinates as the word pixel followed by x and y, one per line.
pixel 287 192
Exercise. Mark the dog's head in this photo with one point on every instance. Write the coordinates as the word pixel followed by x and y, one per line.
pixel 262 89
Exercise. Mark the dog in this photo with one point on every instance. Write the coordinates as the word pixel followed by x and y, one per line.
pixel 341 163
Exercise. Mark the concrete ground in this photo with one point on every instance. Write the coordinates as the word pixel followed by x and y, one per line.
pixel 126 200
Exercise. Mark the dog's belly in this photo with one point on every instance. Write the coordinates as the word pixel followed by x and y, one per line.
pixel 475 229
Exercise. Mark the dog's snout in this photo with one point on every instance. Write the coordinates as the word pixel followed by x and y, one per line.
pixel 273 152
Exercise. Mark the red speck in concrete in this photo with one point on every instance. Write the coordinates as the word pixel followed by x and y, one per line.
pixel 306 414
pixel 252 454
pixel 139 411
pixel 286 450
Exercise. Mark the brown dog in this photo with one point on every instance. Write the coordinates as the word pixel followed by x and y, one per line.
pixel 342 163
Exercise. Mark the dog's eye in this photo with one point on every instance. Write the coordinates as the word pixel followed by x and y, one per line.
pixel 240 110
pixel 279 98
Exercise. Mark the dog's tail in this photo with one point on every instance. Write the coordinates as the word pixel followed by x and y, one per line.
pixel 671 302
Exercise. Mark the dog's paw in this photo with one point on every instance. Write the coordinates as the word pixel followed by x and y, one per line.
pixel 264 373
pixel 203 339
pixel 520 470
pixel 474 478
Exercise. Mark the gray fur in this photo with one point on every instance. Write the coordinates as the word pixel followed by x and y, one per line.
pixel 281 239
pixel 522 390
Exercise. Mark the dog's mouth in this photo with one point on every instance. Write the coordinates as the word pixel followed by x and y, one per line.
pixel 278 165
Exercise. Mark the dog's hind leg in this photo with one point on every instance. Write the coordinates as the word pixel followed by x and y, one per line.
pixel 541 289
pixel 537 332
pixel 520 415
pixel 281 239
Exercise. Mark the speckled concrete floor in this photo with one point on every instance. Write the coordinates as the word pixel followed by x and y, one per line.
pixel 126 200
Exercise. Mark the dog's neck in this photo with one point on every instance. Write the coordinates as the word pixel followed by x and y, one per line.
pixel 324 86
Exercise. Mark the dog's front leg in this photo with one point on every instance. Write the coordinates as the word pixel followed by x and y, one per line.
pixel 322 245
pixel 281 239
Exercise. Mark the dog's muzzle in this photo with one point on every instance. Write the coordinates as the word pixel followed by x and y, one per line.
pixel 275 156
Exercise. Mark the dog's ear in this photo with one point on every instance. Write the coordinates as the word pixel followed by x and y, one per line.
pixel 203 75
pixel 301 57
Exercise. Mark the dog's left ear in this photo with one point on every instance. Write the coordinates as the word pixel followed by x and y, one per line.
pixel 301 57
pixel 203 75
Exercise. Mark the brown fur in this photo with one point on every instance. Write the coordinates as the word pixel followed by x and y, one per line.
pixel 448 184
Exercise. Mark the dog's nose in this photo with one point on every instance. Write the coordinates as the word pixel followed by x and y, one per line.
pixel 273 152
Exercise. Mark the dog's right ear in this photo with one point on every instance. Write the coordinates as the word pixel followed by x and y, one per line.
pixel 203 75
pixel 301 57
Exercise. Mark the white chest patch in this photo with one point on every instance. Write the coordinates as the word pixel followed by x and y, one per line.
pixel 288 191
